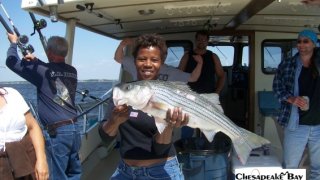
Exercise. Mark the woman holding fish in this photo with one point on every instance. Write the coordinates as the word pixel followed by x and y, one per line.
pixel 145 153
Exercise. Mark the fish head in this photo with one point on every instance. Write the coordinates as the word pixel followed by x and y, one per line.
pixel 133 94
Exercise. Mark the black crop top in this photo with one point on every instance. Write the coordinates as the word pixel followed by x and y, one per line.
pixel 137 137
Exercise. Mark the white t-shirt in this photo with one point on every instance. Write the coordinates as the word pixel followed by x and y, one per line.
pixel 12 117
pixel 167 73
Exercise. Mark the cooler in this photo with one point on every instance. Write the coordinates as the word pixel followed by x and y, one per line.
pixel 202 160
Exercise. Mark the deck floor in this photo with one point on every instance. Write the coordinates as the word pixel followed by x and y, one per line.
pixel 107 165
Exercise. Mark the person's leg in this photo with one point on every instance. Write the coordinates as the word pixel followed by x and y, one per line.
pixel 58 150
pixel 314 152
pixel 55 170
pixel 74 167
pixel 293 146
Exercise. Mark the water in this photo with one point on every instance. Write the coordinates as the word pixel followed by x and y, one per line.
pixel 94 89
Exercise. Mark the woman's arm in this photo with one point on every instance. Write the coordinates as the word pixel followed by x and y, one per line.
pixel 41 169
pixel 119 115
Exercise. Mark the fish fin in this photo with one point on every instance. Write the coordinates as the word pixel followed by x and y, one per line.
pixel 209 134
pixel 244 144
pixel 214 99
pixel 158 105
pixel 160 123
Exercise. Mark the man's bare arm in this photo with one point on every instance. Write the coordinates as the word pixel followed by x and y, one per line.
pixel 183 62
pixel 219 73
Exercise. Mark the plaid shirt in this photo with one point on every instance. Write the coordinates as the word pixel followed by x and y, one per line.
pixel 283 87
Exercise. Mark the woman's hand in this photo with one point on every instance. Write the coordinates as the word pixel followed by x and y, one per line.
pixel 42 170
pixel 298 101
pixel 176 118
pixel 120 114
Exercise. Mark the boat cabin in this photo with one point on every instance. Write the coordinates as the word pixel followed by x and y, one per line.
pixel 251 38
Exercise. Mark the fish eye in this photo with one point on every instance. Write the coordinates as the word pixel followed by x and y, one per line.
pixel 129 86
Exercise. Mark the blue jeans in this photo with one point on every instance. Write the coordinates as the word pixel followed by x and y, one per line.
pixel 166 170
pixel 62 153
pixel 295 142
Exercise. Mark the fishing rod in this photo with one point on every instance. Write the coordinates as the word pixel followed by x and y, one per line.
pixel 22 39
pixel 37 26
pixel 10 20
pixel 95 105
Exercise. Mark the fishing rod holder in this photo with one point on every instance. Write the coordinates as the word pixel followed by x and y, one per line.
pixel 85 93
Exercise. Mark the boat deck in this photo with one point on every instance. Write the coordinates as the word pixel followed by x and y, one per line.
pixel 105 166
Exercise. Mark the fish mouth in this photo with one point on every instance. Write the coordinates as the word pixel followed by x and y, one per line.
pixel 119 102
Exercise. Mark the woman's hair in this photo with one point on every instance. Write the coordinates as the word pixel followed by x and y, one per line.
pixel 150 40
pixel 313 65
pixel 58 46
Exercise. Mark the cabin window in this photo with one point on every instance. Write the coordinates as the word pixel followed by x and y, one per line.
pixel 245 56
pixel 176 50
pixel 225 54
pixel 275 51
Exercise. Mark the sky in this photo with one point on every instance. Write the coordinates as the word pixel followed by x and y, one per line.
pixel 92 54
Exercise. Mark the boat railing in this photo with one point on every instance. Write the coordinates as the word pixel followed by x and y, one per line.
pixel 90 113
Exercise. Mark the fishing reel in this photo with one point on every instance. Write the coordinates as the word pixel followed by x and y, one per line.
pixel 26 49
pixel 85 93
pixel 38 25
pixel 24 46
pixel 22 39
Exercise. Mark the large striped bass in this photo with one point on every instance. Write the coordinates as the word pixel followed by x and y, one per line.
pixel 156 97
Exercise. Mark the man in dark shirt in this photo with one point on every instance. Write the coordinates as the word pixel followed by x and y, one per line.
pixel 212 76
pixel 56 84
pixel 207 82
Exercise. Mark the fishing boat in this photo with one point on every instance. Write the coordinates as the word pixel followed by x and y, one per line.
pixel 251 37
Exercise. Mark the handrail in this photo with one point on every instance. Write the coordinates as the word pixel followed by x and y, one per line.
pixel 99 104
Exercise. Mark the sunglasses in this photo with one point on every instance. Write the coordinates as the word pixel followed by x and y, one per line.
pixel 304 41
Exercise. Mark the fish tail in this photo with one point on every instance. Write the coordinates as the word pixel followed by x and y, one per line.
pixel 245 143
